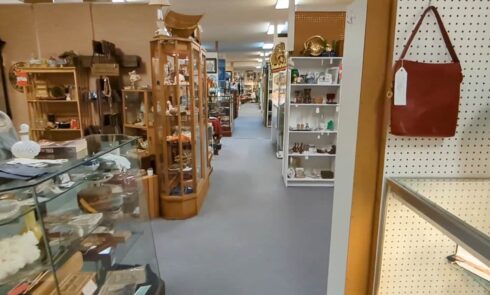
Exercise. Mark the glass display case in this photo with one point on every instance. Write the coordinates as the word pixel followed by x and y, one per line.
pixel 434 236
pixel 80 225
pixel 221 107
pixel 178 77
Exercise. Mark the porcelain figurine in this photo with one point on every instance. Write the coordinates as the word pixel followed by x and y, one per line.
pixel 133 78
pixel 310 78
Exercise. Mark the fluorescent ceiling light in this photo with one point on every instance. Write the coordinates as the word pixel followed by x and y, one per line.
pixel 270 31
pixel 258 67
pixel 267 53
pixel 267 46
pixel 117 1
pixel 260 59
pixel 282 4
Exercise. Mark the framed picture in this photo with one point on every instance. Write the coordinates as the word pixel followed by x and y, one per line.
pixel 228 75
pixel 211 65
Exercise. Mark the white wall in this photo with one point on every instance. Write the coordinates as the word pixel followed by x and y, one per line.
pixel 346 145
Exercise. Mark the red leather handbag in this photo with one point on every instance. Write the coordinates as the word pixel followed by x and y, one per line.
pixel 430 106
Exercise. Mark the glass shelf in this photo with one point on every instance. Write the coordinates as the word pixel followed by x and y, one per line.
pixel 429 198
pixel 105 144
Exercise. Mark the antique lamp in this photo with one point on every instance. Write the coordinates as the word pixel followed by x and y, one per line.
pixel 162 29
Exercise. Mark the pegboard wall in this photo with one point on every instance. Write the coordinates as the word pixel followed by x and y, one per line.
pixel 414 253
pixel 468 152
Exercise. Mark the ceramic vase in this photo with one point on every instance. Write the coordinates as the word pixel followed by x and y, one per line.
pixel 25 148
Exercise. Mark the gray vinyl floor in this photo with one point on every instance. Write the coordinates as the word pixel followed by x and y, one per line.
pixel 253 236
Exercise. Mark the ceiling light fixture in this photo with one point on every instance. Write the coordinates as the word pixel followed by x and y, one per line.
pixel 270 31
pixel 258 67
pixel 267 46
pixel 282 4
pixel 265 53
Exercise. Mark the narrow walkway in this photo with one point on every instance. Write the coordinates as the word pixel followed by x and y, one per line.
pixel 253 236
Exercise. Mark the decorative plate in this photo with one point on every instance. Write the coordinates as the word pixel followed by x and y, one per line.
pixel 13 77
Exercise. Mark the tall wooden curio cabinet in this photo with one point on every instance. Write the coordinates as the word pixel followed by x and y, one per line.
pixel 179 81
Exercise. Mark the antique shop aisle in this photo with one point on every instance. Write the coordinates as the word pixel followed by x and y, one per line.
pixel 253 235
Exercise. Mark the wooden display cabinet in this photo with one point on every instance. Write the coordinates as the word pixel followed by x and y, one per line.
pixel 178 78
pixel 138 118
pixel 55 103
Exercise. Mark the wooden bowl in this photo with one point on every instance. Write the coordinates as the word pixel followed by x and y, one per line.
pixel 181 25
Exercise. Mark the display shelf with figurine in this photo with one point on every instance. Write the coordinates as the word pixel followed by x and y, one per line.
pixel 312 112
pixel 138 118
pixel 181 123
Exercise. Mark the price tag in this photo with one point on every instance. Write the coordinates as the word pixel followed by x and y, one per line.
pixel 401 79
pixel 317 110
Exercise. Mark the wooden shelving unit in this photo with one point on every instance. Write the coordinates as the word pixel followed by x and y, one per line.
pixel 138 116
pixel 180 100
pixel 69 108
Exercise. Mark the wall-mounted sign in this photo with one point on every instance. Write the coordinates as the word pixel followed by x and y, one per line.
pixel 278 58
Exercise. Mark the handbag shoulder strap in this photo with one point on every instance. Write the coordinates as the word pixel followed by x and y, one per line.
pixel 444 33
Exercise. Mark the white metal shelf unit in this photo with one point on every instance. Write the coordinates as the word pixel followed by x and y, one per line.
pixel 317 115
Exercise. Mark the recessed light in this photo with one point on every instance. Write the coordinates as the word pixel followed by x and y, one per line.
pixel 267 46
pixel 282 4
